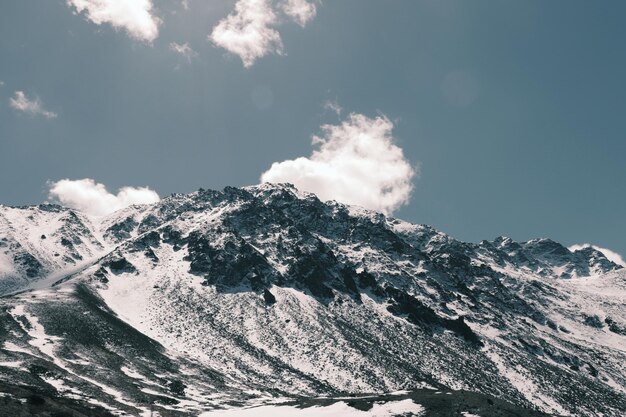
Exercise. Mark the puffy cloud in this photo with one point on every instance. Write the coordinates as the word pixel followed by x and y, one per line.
pixel 610 255
pixel 20 102
pixel 135 16
pixel 249 31
pixel 93 198
pixel 184 50
pixel 301 11
pixel 357 162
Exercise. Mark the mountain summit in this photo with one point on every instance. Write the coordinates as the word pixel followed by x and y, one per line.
pixel 267 296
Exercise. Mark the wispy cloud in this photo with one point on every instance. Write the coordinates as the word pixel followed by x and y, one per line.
pixel 301 11
pixel 134 16
pixel 333 105
pixel 357 162
pixel 184 50
pixel 249 31
pixel 33 107
pixel 610 255
pixel 93 198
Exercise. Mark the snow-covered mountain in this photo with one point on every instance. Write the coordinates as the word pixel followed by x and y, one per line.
pixel 264 295
pixel 38 241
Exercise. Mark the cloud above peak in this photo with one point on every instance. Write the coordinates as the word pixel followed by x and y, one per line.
pixel 357 162
pixel 33 106
pixel 93 198
pixel 610 255
pixel 134 16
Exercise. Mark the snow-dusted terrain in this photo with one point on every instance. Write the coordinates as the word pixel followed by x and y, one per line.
pixel 265 300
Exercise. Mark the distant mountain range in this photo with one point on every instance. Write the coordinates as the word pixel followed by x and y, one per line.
pixel 217 302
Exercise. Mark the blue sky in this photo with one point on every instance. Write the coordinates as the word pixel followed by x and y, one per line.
pixel 513 112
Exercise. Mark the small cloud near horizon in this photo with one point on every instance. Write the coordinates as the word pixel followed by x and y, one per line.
pixel 90 197
pixel 357 162
pixel 33 107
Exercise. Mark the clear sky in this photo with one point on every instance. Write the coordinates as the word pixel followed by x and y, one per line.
pixel 514 111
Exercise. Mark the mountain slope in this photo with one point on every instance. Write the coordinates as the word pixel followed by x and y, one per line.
pixel 38 241
pixel 269 292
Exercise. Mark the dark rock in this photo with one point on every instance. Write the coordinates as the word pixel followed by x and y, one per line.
pixel 269 297
pixel 151 255
pixel 593 321
pixel 122 230
pixel 404 305
pixel 36 400
pixel 28 263
pixel 120 265
pixel 177 388
pixel 101 275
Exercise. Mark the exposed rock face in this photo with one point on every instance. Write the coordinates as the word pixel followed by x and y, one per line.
pixel 270 291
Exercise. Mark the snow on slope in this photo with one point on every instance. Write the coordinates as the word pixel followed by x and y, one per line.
pixel 36 241
pixel 335 410
pixel 274 290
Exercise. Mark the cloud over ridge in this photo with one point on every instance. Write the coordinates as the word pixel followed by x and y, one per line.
pixel 357 162
pixel 610 255
pixel 134 16
pixel 93 198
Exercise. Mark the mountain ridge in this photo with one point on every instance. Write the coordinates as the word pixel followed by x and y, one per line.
pixel 286 294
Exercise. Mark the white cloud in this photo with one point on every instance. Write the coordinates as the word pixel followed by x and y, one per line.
pixel 183 49
pixel 93 198
pixel 357 163
pixel 249 31
pixel 135 16
pixel 610 255
pixel 20 102
pixel 301 11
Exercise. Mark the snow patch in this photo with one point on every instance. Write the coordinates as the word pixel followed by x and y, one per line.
pixel 339 409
